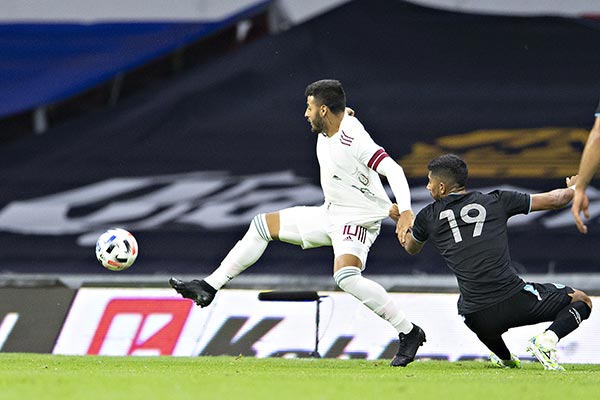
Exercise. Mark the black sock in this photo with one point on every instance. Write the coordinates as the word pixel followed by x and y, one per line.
pixel 569 318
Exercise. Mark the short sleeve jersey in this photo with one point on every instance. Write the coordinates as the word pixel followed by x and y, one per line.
pixel 348 161
pixel 470 232
pixel 597 114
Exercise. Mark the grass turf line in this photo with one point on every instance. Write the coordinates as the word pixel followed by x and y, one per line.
pixel 44 376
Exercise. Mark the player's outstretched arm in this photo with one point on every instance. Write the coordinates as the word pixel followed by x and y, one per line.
pixel 411 246
pixel 399 184
pixel 554 199
pixel 581 203
pixel 404 226
pixel 404 230
pixel 590 160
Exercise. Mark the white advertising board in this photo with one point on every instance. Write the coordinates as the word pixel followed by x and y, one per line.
pixel 120 321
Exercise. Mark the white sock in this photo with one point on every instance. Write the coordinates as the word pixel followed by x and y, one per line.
pixel 550 338
pixel 245 253
pixel 372 295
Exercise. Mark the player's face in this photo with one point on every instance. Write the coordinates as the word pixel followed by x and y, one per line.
pixel 313 115
pixel 434 186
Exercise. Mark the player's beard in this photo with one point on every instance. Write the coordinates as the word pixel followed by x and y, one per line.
pixel 317 124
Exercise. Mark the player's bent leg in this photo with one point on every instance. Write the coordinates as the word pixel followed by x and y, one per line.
pixel 490 324
pixel 579 295
pixel 245 253
pixel 501 355
pixel 496 344
pixel 273 224
pixel 543 346
pixel 376 298
pixel 304 226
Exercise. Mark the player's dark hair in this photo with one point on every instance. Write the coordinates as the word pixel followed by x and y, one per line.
pixel 450 168
pixel 328 92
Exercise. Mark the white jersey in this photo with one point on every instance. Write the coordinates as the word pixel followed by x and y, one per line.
pixel 353 190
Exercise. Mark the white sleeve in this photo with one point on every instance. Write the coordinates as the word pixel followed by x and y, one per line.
pixel 397 180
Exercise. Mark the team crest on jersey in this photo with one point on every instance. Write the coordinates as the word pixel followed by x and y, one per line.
pixel 362 178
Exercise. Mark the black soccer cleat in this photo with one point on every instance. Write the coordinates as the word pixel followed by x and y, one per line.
pixel 199 291
pixel 408 346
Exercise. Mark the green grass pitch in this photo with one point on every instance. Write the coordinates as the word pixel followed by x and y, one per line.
pixel 43 376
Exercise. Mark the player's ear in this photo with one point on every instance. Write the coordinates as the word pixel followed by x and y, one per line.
pixel 323 110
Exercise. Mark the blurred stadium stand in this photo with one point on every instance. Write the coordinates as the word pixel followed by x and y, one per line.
pixel 58 64
pixel 216 119
pixel 61 69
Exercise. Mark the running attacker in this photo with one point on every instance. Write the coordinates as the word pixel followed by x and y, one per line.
pixel 349 220
pixel 469 231
pixel 590 160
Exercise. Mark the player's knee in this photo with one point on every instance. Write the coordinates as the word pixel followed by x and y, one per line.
pixel 273 223
pixel 583 309
pixel 580 296
pixel 346 277
pixel 259 224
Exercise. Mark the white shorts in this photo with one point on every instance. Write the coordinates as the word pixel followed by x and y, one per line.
pixel 311 227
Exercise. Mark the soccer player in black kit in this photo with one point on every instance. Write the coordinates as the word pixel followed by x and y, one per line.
pixel 469 230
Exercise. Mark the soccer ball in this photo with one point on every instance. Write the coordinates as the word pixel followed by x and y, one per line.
pixel 116 249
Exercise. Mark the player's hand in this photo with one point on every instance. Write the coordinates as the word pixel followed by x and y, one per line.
pixel 350 111
pixel 394 213
pixel 404 226
pixel 571 180
pixel 580 203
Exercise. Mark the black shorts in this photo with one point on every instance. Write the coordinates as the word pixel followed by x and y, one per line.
pixel 536 302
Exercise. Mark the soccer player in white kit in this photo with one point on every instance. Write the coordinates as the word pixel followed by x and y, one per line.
pixel 349 220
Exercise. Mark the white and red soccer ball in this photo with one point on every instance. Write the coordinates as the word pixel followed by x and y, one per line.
pixel 116 249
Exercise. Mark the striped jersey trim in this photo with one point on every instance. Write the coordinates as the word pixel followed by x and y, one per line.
pixel 346 272
pixel 376 159
pixel 345 139
pixel 261 226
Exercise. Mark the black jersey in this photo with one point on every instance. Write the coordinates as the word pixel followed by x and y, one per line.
pixel 597 114
pixel 469 230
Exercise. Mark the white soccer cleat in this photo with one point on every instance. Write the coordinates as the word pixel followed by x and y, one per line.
pixel 542 348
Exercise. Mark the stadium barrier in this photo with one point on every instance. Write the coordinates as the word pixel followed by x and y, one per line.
pixel 147 321
pixel 31 318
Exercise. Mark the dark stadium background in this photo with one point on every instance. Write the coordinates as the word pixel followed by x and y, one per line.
pixel 419 78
